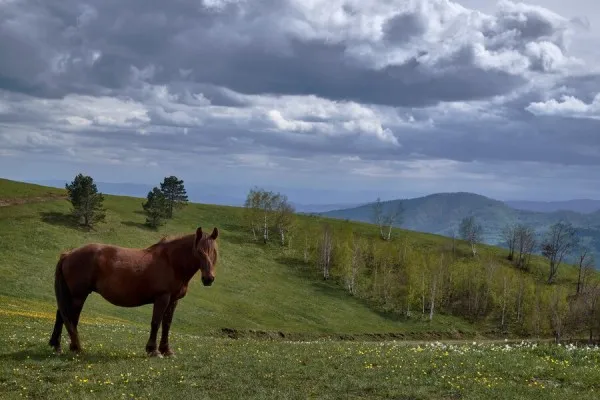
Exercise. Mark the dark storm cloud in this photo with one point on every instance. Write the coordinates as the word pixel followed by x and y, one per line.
pixel 255 48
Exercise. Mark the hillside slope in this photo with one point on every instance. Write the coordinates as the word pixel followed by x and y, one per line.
pixel 375 288
pixel 257 287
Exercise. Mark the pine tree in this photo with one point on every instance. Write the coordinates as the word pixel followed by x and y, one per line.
pixel 86 200
pixel 155 208
pixel 174 192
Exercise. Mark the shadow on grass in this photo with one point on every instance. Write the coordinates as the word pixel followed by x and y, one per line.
pixel 61 219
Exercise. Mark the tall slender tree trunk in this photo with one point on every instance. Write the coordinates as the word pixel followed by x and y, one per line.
pixel 503 303
pixel 432 297
pixel 423 290
pixel 305 248
pixel 265 229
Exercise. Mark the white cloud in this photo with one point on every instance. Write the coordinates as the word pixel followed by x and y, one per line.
pixel 568 106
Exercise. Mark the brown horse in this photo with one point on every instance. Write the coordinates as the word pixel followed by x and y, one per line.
pixel 126 277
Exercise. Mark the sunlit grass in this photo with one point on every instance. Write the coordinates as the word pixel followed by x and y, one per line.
pixel 114 365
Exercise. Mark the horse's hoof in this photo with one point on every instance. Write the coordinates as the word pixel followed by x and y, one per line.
pixel 154 353
pixel 75 349
pixel 168 353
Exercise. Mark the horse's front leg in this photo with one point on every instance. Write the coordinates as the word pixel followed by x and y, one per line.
pixel 160 305
pixel 166 325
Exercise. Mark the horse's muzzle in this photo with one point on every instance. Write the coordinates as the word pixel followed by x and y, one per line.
pixel 208 281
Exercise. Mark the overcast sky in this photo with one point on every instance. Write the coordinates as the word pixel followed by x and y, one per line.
pixel 399 97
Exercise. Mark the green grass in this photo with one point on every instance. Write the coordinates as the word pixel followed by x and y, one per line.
pixel 17 190
pixel 116 367
pixel 258 288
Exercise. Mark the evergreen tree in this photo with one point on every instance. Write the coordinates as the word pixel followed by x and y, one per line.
pixel 155 208
pixel 86 200
pixel 174 192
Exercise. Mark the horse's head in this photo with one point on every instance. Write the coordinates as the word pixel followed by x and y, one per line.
pixel 206 247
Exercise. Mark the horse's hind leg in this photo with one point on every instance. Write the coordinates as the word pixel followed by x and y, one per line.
pixel 57 332
pixel 75 312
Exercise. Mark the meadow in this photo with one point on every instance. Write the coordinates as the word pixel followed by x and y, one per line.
pixel 294 335
pixel 115 367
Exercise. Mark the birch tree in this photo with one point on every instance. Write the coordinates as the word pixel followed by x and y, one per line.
pixel 386 219
pixel 252 211
pixel 284 216
pixel 471 231
pixel 326 248
pixel 393 217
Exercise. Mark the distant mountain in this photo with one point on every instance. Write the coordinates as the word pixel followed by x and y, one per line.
pixel 441 214
pixel 321 208
pixel 584 206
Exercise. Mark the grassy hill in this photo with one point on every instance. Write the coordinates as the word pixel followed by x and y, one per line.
pixel 261 291
pixel 441 214
pixel 255 288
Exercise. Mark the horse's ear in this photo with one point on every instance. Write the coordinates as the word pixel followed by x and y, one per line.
pixel 215 233
pixel 198 233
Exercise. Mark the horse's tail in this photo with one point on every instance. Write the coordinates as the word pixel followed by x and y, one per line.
pixel 62 292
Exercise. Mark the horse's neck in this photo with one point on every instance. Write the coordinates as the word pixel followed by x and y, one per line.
pixel 183 257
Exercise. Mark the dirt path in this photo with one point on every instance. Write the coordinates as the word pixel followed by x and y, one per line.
pixel 28 200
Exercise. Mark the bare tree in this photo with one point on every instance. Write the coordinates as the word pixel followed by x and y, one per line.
pixel 586 266
pixel 378 217
pixel 560 240
pixel 558 312
pixel 471 231
pixel 525 244
pixel 591 301
pixel 392 217
pixel 509 234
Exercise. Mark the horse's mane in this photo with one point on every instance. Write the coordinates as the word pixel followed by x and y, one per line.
pixel 165 239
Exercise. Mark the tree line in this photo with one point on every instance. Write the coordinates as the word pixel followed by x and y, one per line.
pixel 161 202
pixel 406 277
pixel 267 212
pixel 399 275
